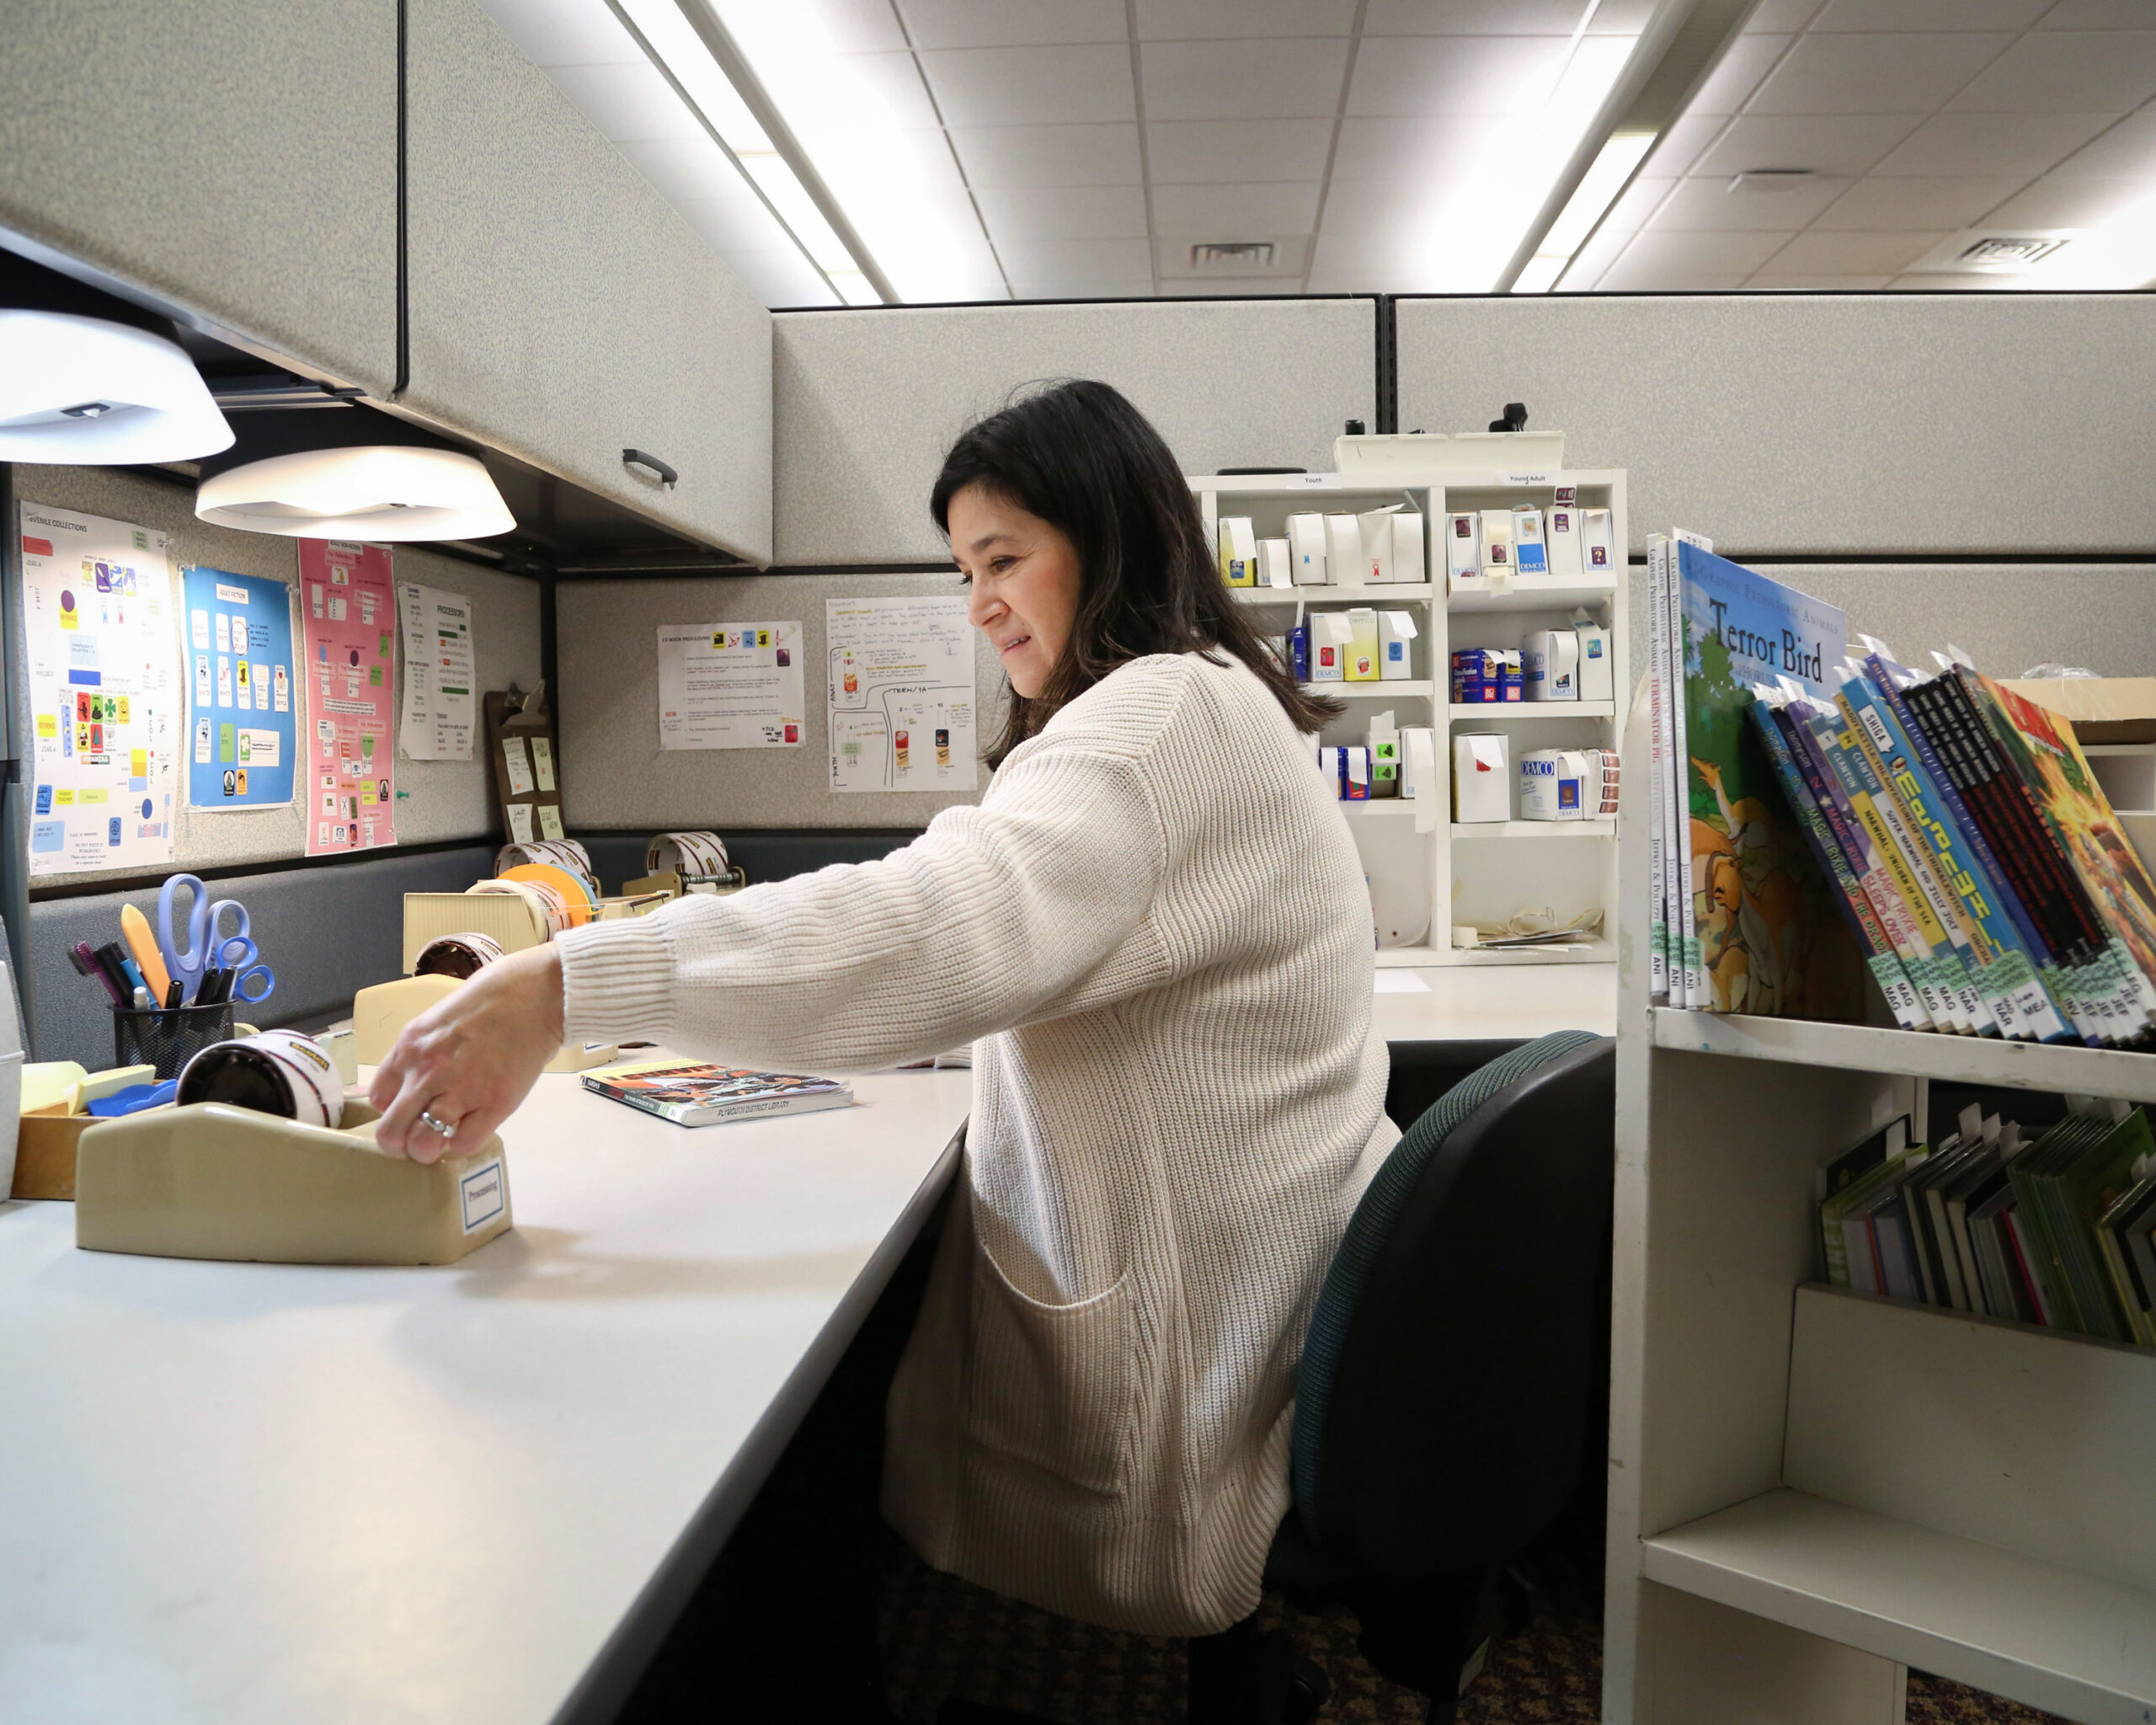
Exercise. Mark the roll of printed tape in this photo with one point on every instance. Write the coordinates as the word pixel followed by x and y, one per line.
pixel 547 901
pixel 566 854
pixel 699 856
pixel 273 1072
pixel 577 894
pixel 459 955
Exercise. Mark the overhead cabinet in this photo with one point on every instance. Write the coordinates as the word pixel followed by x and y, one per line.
pixel 237 160
pixel 561 310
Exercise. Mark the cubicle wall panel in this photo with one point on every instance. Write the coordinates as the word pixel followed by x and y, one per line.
pixel 326 933
pixel 865 402
pixel 561 310
pixel 1776 423
pixel 436 799
pixel 236 159
pixel 614 774
pixel 2007 616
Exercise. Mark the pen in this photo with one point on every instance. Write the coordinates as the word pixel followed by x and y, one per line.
pixel 175 992
pixel 86 965
pixel 107 960
pixel 143 1003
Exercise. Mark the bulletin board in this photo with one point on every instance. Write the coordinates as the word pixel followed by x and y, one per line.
pixel 522 766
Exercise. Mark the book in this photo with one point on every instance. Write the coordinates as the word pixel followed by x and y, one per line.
pixel 1659 849
pixel 1762 918
pixel 690 1093
pixel 1837 1177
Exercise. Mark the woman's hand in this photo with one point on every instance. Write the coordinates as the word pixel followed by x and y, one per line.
pixel 470 1058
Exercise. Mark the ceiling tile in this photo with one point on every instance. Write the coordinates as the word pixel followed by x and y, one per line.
pixel 1255 287
pixel 1639 275
pixel 627 101
pixel 1014 156
pixel 1227 212
pixel 1636 204
pixel 1848 145
pixel 1593 258
pixel 1370 263
pixel 1031 86
pixel 1661 255
pixel 1876 74
pixel 1443 146
pixel 892 81
pixel 1472 18
pixel 1680 144
pixel 1207 151
pixel 1953 281
pixel 1772 282
pixel 2079 202
pixel 859 26
pixel 1378 208
pixel 1201 21
pixel 2097 15
pixel 1064 212
pixel 1278 80
pixel 1709 205
pixel 1436 75
pixel 1135 289
pixel 1930 14
pixel 1782 15
pixel 1011 24
pixel 564 32
pixel 683 168
pixel 2082 72
pixel 2026 144
pixel 1620 17
pixel 1750 58
pixel 1884 203
pixel 1854 253
pixel 1075 261
pixel 2127 148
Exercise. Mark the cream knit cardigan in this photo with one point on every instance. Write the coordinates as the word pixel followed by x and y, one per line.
pixel 1153 929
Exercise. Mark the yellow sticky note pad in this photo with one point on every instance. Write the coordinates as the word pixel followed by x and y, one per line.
pixel 48 726
pixel 94 793
pixel 139 763
pixel 63 796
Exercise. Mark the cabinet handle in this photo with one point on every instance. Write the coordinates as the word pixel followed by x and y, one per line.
pixel 638 458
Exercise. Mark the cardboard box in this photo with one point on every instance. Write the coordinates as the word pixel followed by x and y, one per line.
pixel 1552 785
pixel 1478 676
pixel 1330 634
pixel 1515 675
pixel 1376 527
pixel 1530 555
pixel 1418 763
pixel 1551 664
pixel 1597 674
pixel 1352 770
pixel 1497 546
pixel 1275 567
pixel 2103 709
pixel 1343 549
pixel 1306 549
pixel 1238 552
pixel 1464 552
pixel 1409 563
pixel 1567 561
pixel 1481 778
pixel 1362 644
pixel 45 1153
pixel 1384 744
pixel 1395 650
pixel 1595 540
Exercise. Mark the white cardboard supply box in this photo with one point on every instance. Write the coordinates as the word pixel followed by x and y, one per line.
pixel 1482 776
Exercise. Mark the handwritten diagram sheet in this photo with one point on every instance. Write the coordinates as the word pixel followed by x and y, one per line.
pixel 902 703
pixel 436 723
pixel 105 694
pixel 730 685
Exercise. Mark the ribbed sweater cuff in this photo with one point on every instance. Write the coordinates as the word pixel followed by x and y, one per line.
pixel 617 980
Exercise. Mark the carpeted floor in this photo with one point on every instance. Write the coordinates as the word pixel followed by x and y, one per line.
pixel 941 1636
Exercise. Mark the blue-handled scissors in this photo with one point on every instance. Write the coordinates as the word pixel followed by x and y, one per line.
pixel 208 946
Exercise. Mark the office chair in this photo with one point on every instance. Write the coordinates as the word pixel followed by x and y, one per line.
pixel 1442 1408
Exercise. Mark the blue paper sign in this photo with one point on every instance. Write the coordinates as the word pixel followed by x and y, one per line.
pixel 243 701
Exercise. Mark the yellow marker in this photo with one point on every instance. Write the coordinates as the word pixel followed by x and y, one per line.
pixel 135 930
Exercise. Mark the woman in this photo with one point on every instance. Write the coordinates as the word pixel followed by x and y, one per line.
pixel 1154 931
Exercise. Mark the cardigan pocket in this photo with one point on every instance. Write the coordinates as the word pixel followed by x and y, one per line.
pixel 1053 1385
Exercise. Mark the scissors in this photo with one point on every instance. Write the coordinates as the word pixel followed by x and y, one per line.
pixel 208 947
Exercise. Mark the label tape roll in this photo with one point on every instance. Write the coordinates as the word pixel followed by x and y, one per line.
pixel 459 955
pixel 274 1071
pixel 578 895
pixel 566 854
pixel 551 909
pixel 699 856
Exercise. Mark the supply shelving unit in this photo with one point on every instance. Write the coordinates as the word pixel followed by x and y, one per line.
pixel 1423 879
pixel 1811 1490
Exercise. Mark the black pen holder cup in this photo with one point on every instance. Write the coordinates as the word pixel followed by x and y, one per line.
pixel 166 1038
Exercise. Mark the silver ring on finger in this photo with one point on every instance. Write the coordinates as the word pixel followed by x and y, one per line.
pixel 432 1124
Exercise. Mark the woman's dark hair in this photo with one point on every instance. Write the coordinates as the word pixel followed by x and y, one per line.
pixel 1078 455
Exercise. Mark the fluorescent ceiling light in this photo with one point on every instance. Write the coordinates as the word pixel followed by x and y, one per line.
pixel 1612 171
pixel 2119 253
pixel 88 391
pixel 375 492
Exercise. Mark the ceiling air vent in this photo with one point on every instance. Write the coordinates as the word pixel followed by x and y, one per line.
pixel 1232 257
pixel 1997 252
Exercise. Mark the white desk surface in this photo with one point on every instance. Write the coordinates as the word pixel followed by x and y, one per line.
pixel 243 1492
pixel 1472 1002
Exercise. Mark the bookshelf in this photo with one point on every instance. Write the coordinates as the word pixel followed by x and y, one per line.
pixel 1422 882
pixel 1812 1489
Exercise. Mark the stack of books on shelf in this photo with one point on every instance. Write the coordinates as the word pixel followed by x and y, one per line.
pixel 2053 1230
pixel 1821 815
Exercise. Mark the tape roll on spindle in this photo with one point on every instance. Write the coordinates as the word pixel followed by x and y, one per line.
pixel 463 955
pixel 699 856
pixel 546 903
pixel 566 854
pixel 579 896
pixel 275 1072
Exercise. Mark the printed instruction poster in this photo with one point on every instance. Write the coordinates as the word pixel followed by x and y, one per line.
pixel 347 618
pixel 241 710
pixel 436 723
pixel 730 685
pixel 902 700
pixel 104 691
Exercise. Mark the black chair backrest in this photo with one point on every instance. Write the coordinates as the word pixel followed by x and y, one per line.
pixel 1446 1378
